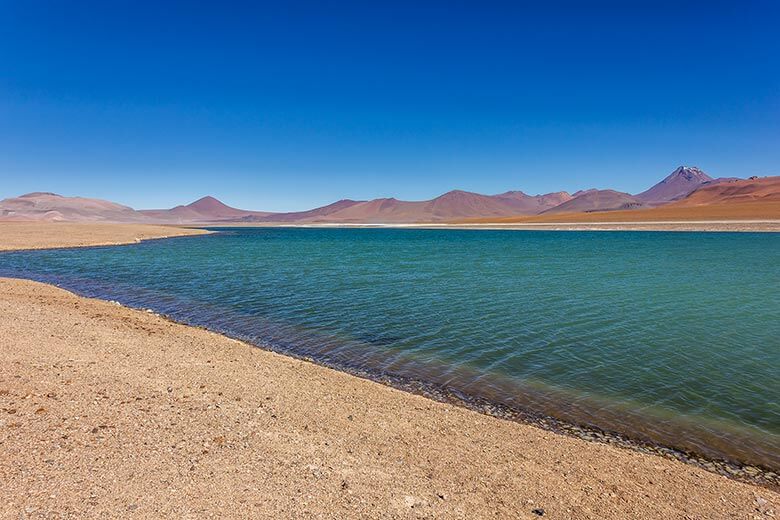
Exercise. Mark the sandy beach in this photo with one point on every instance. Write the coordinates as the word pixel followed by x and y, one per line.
pixel 42 235
pixel 111 412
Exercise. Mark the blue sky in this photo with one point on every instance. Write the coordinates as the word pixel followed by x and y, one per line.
pixel 292 105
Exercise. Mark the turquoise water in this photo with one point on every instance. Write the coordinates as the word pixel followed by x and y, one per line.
pixel 672 338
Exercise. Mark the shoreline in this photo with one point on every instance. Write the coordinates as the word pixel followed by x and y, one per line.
pixel 25 236
pixel 753 473
pixel 36 299
pixel 717 226
pixel 72 234
pixel 93 379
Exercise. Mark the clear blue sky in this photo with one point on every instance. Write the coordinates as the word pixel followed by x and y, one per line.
pixel 291 105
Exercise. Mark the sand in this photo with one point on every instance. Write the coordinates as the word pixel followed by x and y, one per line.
pixel 39 235
pixel 749 216
pixel 759 226
pixel 598 221
pixel 111 412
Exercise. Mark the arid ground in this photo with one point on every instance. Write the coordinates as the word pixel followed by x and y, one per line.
pixel 40 235
pixel 764 216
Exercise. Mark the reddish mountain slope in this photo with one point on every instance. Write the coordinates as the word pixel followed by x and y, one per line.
pixel 451 205
pixel 597 200
pixel 686 186
pixel 376 211
pixel 534 204
pixel 209 206
pixel 723 199
pixel 456 203
pixel 677 185
pixel 206 209
pixel 764 189
pixel 309 215
pixel 50 206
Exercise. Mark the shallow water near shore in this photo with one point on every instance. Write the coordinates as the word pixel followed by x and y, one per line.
pixel 669 338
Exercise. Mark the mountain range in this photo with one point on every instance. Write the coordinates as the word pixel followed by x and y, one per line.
pixel 685 185
pixel 50 206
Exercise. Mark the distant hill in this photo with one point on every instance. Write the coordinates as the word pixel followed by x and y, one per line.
pixel 205 209
pixel 54 207
pixel 684 187
pixel 297 216
pixel 748 199
pixel 50 206
pixel 533 204
pixel 764 189
pixel 457 203
pixel 597 200
pixel 451 205
pixel 676 185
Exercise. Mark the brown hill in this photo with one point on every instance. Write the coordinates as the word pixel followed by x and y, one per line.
pixel 205 209
pixel 533 204
pixel 309 215
pixel 50 206
pixel 376 211
pixel 597 200
pixel 750 199
pixel 765 189
pixel 455 205
pixel 451 205
pixel 676 185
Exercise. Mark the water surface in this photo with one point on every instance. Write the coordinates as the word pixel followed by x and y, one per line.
pixel 671 338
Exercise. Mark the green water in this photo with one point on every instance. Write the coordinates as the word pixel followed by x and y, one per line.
pixel 666 337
